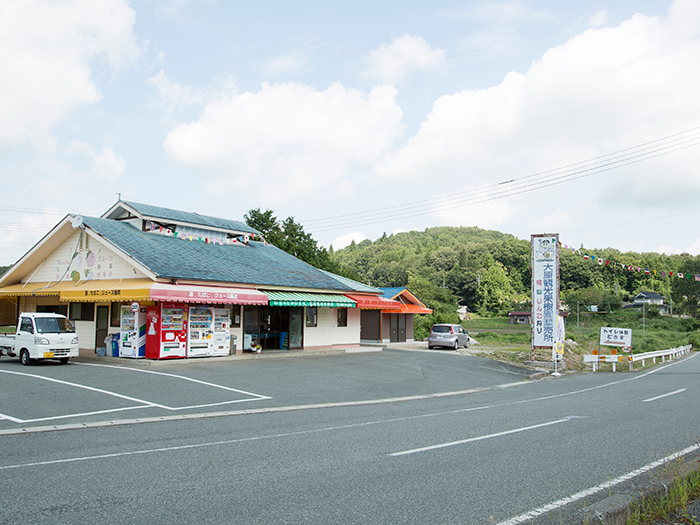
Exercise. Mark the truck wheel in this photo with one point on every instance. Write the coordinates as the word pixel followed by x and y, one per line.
pixel 63 360
pixel 24 357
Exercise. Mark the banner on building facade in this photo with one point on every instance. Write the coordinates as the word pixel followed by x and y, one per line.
pixel 545 289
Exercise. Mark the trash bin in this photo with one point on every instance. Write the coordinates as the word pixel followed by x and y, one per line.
pixel 233 345
pixel 115 345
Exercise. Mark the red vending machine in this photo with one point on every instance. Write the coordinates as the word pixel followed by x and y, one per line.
pixel 166 331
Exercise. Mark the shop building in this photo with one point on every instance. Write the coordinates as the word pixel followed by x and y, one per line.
pixel 175 284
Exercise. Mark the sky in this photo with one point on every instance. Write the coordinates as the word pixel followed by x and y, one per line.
pixel 357 118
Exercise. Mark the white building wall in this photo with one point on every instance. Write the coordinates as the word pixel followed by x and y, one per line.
pixel 328 333
pixel 93 262
pixel 350 334
pixel 322 333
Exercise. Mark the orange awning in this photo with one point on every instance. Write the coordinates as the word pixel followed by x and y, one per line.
pixel 414 309
pixel 374 302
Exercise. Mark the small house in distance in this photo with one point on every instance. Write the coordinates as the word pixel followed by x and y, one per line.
pixel 519 317
pixel 647 299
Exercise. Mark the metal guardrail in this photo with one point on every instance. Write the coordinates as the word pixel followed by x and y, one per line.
pixel 671 353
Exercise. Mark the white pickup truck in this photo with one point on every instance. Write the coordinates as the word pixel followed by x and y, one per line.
pixel 41 336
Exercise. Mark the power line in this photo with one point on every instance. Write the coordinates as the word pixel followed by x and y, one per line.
pixel 516 186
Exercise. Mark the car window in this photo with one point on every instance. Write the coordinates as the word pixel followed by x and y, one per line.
pixel 439 329
pixel 54 325
pixel 26 325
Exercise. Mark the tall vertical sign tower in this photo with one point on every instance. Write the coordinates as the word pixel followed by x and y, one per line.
pixel 545 290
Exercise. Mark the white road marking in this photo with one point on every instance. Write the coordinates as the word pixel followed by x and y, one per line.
pixel 10 418
pixel 590 491
pixel 85 387
pixel 664 395
pixel 480 438
pixel 213 385
pixel 142 403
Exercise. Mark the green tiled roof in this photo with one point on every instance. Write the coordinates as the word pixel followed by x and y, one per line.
pixel 257 264
pixel 168 214
pixel 355 286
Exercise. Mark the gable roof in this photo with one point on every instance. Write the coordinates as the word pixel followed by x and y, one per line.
pixel 168 257
pixel 125 209
pixel 410 303
pixel 648 295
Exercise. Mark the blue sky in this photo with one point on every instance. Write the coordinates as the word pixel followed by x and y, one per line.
pixel 357 118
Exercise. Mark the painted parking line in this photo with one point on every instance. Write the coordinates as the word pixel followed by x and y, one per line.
pixel 85 387
pixel 141 403
pixel 184 378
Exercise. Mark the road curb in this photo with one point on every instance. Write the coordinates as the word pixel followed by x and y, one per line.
pixel 617 508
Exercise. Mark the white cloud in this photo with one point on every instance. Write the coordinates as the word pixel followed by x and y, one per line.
pixel 603 90
pixel 46 52
pixel 406 54
pixel 174 95
pixel 345 240
pixel 288 140
pixel 107 166
pixel 599 18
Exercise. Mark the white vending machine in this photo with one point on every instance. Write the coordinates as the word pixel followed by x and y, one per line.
pixel 132 339
pixel 222 331
pixel 200 339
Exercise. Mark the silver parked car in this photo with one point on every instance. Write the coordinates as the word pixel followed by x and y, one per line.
pixel 449 335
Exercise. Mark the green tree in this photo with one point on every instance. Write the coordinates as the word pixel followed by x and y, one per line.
pixel 495 293
pixel 266 223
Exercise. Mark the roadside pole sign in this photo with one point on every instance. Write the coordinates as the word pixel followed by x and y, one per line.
pixel 545 290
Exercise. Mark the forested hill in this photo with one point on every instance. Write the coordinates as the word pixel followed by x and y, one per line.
pixel 489 271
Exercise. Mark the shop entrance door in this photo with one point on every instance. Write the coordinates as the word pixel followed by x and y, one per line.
pixel 272 327
pixel 101 328
pixel 394 328
pixel 296 328
pixel 402 328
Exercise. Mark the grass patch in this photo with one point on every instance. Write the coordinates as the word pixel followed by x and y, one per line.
pixel 684 490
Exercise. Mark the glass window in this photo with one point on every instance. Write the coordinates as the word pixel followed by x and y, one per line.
pixel 54 325
pixel 82 311
pixel 311 316
pixel 342 316
pixel 26 325
pixel 115 315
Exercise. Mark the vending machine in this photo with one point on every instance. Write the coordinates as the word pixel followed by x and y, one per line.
pixel 132 337
pixel 166 336
pixel 201 332
pixel 222 331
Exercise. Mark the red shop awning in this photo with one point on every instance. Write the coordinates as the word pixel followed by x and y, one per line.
pixel 187 293
pixel 374 302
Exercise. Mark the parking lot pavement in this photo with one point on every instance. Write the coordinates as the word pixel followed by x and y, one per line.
pixel 96 391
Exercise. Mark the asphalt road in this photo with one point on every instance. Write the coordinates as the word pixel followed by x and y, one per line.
pixel 335 439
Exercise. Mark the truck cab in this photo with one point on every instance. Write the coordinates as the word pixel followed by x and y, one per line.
pixel 45 336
